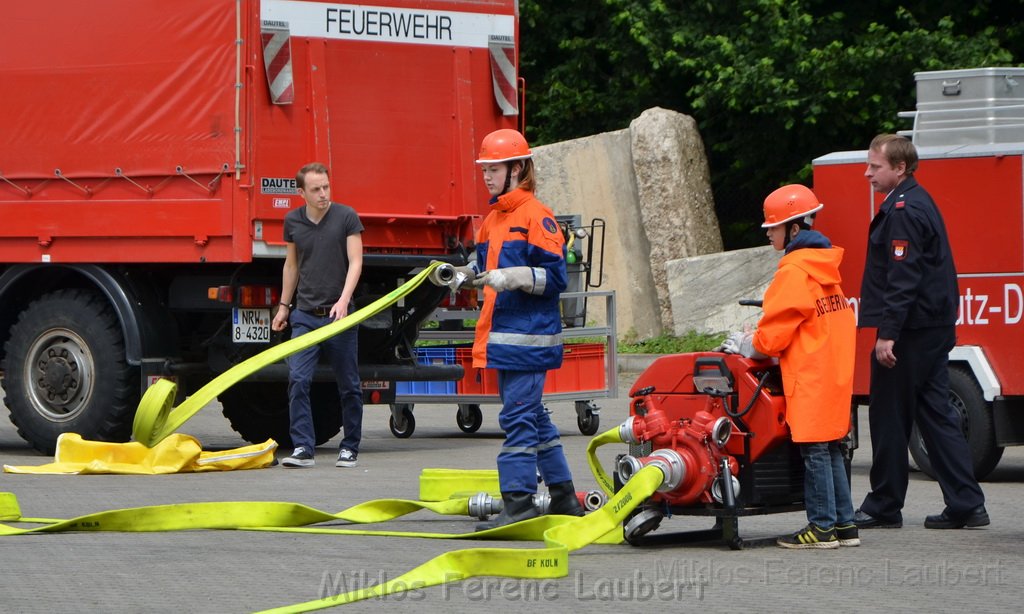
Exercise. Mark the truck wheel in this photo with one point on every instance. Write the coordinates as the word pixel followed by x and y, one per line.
pixel 65 371
pixel 258 411
pixel 966 397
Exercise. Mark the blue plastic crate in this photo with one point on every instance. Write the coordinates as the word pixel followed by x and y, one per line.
pixel 439 355
pixel 436 355
pixel 424 388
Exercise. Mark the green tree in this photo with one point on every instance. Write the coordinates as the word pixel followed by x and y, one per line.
pixel 772 83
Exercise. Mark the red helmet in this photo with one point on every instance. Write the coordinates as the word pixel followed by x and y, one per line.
pixel 504 145
pixel 788 203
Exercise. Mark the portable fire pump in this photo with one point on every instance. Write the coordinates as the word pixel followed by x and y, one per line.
pixel 716 426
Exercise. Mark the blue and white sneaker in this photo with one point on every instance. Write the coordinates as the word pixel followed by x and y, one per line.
pixel 301 457
pixel 346 458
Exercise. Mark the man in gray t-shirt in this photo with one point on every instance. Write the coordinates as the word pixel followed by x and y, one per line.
pixel 321 270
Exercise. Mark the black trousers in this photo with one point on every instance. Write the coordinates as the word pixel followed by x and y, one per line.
pixel 917 389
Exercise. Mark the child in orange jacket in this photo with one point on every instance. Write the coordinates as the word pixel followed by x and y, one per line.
pixel 809 325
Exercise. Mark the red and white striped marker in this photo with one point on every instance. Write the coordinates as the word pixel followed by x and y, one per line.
pixel 277 59
pixel 503 73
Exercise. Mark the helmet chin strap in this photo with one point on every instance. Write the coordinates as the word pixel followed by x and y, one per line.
pixel 788 236
pixel 508 177
pixel 807 220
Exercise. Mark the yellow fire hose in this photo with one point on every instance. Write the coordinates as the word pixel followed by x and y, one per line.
pixel 561 534
pixel 603 479
pixel 441 484
pixel 155 419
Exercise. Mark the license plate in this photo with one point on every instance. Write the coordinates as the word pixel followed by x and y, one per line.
pixel 250 325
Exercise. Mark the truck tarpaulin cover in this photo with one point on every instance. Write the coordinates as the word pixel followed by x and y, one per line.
pixel 172 65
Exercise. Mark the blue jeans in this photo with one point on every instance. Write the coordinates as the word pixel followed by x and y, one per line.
pixel 531 440
pixel 342 351
pixel 826 485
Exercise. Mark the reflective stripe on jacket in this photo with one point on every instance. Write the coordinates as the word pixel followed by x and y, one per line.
pixel 811 327
pixel 517 330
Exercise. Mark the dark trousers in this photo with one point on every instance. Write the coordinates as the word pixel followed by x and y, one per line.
pixel 531 439
pixel 917 389
pixel 343 355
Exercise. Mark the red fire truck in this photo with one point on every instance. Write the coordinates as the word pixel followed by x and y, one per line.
pixel 147 159
pixel 969 132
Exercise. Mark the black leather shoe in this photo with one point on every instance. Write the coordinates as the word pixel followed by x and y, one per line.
pixel 977 517
pixel 863 520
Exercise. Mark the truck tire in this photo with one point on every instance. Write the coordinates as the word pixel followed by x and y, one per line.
pixel 65 371
pixel 966 397
pixel 258 411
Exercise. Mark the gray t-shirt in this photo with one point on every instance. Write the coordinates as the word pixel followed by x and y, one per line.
pixel 322 253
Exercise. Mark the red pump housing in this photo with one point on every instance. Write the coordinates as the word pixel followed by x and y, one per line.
pixel 715 424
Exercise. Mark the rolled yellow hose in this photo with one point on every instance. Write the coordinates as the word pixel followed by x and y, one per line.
pixel 155 417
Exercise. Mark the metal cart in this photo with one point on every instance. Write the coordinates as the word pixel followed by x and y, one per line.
pixel 469 416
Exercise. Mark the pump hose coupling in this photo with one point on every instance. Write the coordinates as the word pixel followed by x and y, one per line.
pixel 669 461
pixel 542 501
pixel 594 500
pixel 443 275
pixel 482 505
pixel 590 500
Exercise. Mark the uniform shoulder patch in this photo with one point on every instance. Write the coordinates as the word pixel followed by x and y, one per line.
pixel 900 249
pixel 550 225
pixel 900 204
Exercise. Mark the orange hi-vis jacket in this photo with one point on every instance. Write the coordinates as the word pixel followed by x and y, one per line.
pixel 517 330
pixel 811 327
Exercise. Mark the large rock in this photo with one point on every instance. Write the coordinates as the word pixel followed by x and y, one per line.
pixel 706 290
pixel 674 190
pixel 593 176
pixel 651 186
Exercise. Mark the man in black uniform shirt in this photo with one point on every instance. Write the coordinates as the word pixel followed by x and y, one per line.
pixel 909 293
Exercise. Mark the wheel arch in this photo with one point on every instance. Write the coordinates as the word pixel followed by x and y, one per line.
pixel 969 365
pixel 21 284
pixel 972 359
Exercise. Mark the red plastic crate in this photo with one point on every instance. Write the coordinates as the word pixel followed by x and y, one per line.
pixel 475 381
pixel 582 370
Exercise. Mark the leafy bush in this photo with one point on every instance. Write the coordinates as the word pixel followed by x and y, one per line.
pixel 772 84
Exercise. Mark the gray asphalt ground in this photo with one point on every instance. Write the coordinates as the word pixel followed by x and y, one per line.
pixel 911 569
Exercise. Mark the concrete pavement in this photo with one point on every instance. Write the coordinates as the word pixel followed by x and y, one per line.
pixel 911 569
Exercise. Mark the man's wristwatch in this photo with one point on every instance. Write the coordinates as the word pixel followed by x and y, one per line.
pixel 288 305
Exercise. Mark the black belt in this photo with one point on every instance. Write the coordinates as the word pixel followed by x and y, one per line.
pixel 321 312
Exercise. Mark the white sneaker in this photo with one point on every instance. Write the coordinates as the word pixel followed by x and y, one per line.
pixel 346 458
pixel 301 457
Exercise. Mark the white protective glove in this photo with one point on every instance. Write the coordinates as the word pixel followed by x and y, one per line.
pixel 463 275
pixel 742 343
pixel 731 345
pixel 509 278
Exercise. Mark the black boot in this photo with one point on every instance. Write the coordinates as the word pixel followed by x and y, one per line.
pixel 563 500
pixel 516 506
